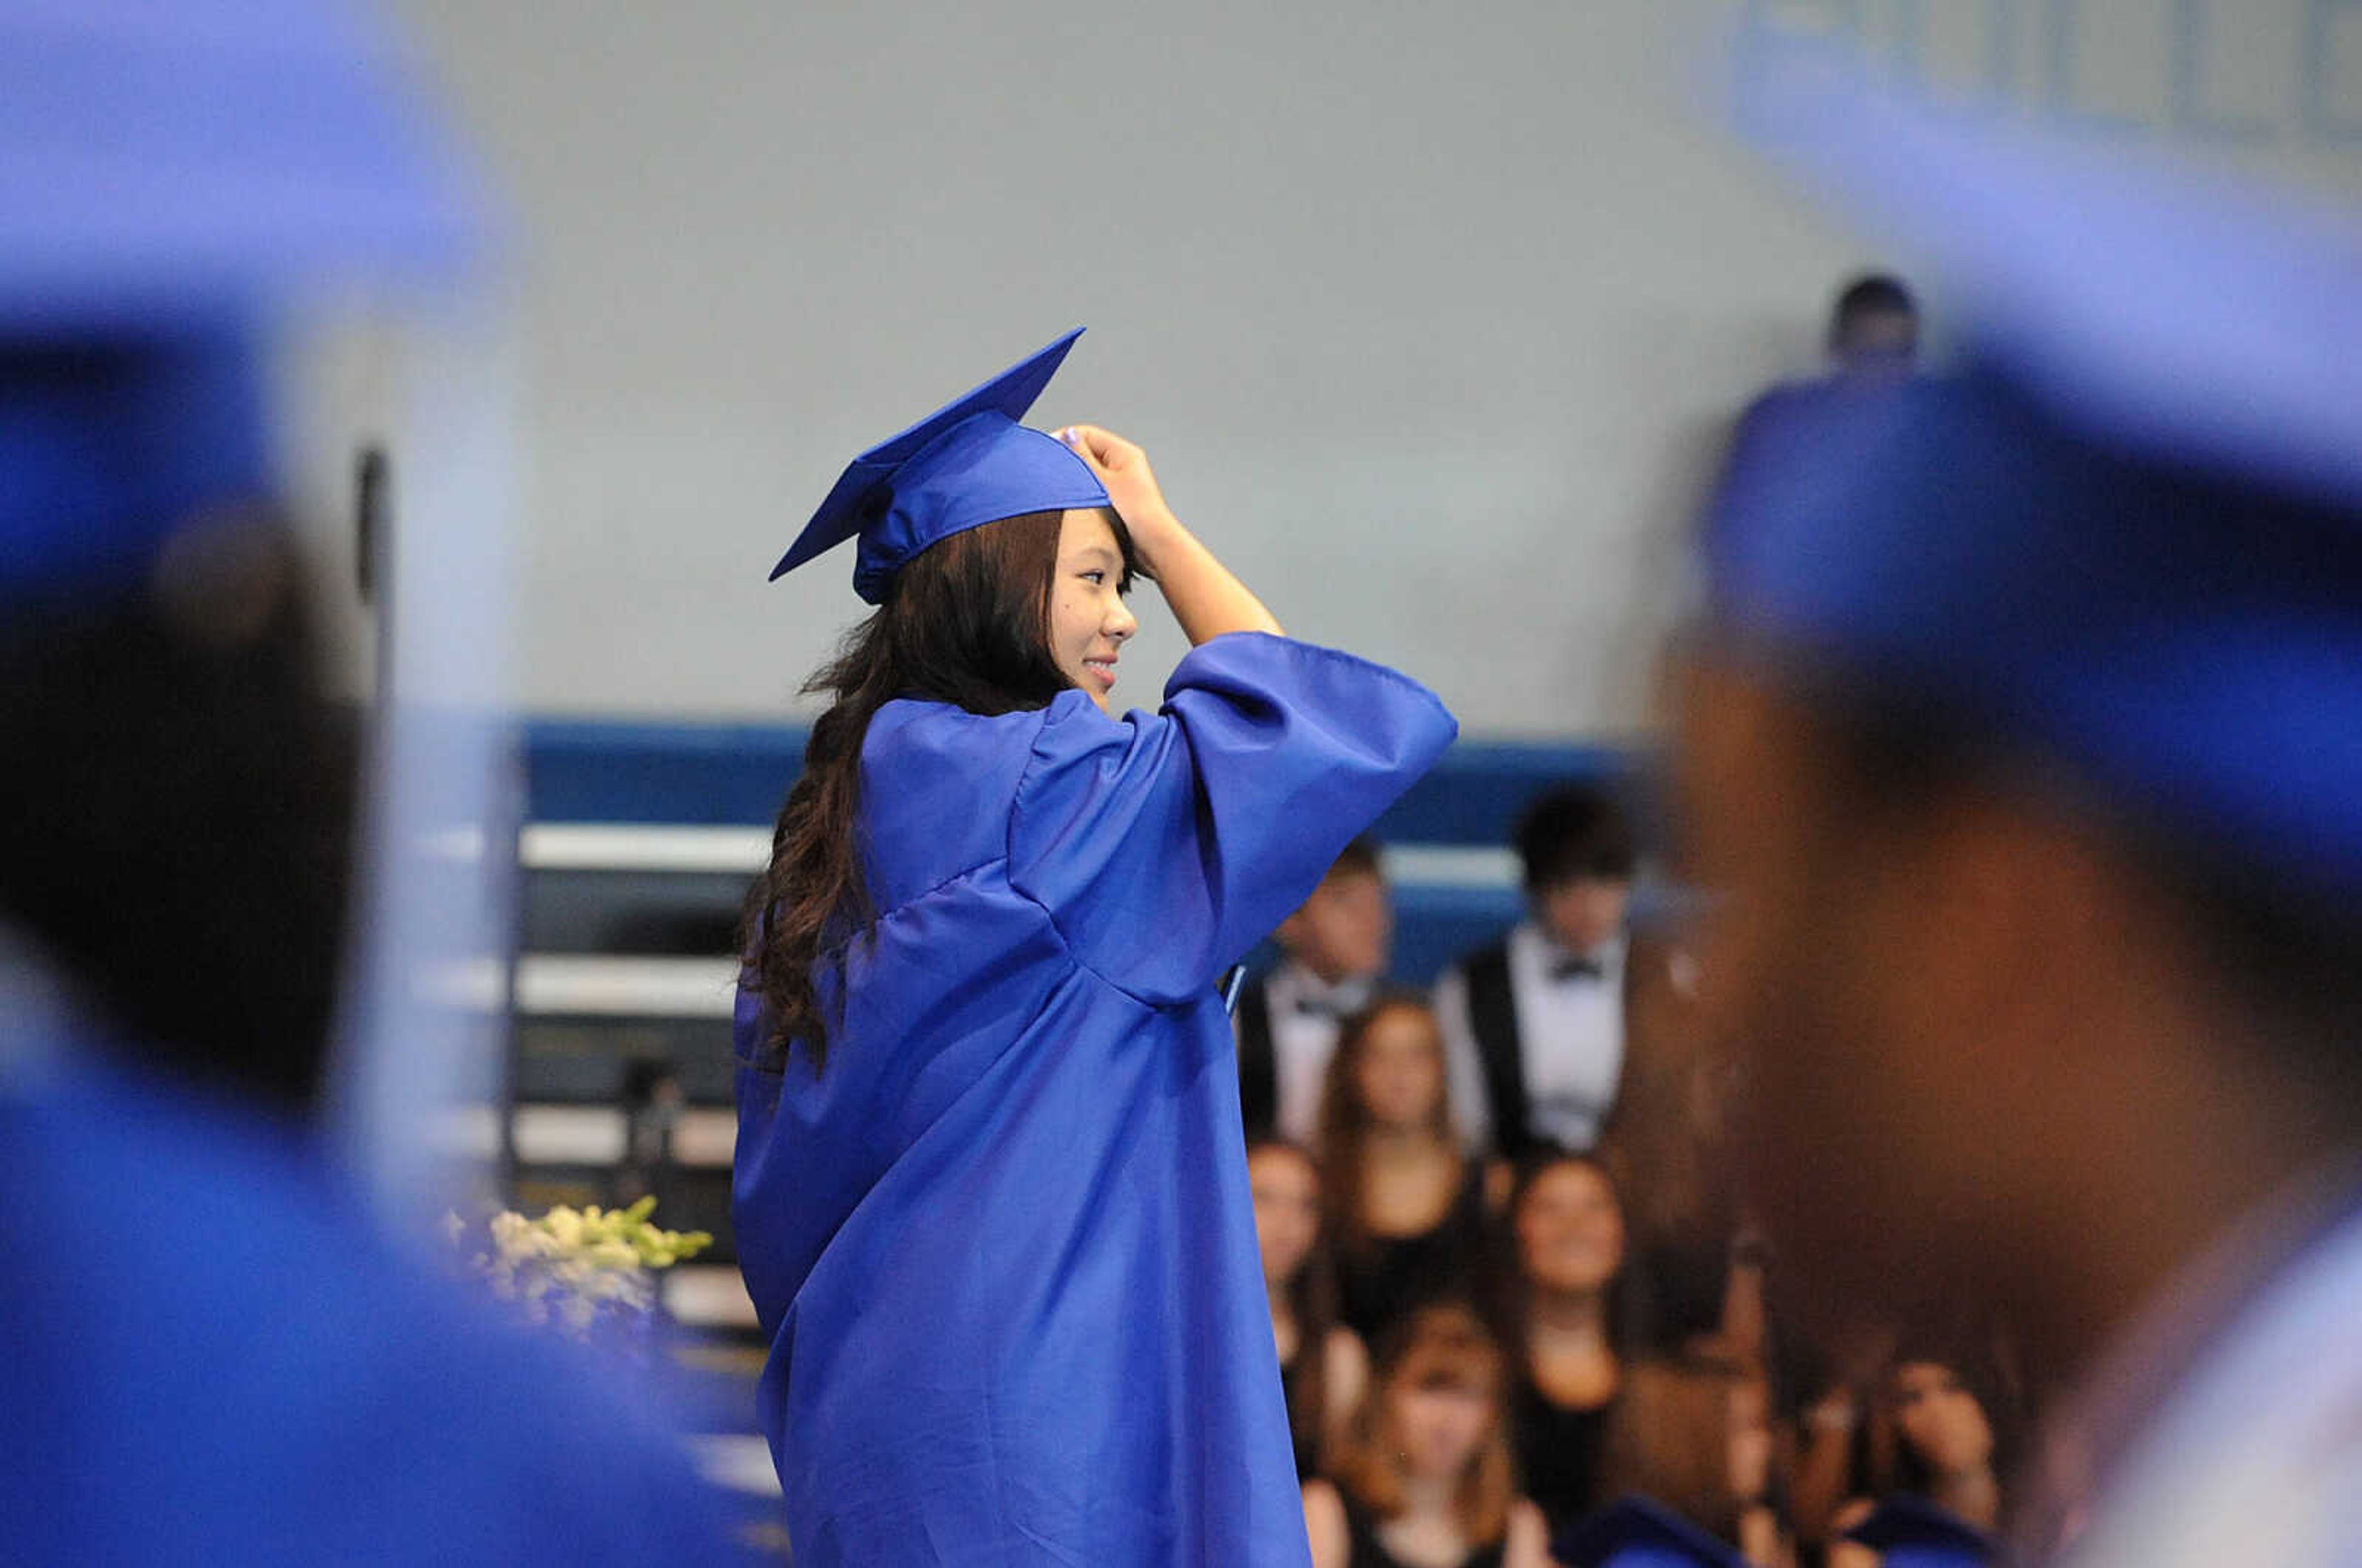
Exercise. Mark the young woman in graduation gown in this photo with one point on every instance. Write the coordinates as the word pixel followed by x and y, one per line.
pixel 990 1194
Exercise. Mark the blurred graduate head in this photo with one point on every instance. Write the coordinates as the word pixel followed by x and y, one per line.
pixel 176 812
pixel 176 820
pixel 2019 733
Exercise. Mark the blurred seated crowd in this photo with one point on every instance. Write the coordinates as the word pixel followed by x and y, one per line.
pixel 1511 1278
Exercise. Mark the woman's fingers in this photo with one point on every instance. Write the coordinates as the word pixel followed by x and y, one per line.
pixel 1100 448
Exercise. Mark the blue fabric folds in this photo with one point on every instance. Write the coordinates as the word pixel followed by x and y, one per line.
pixel 215 1359
pixel 1003 1245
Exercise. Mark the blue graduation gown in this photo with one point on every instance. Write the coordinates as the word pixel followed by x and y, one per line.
pixel 212 1359
pixel 1003 1245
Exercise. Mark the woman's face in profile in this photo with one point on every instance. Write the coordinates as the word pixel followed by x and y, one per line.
pixel 1400 1073
pixel 1569 1230
pixel 1286 1210
pixel 1089 622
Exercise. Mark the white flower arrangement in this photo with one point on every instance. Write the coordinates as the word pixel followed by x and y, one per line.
pixel 579 1267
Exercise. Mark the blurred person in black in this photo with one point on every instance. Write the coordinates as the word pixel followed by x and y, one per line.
pixel 1323 1366
pixel 1569 1303
pixel 1936 1448
pixel 1405 1205
pixel 2019 744
pixel 1534 1024
pixel 1334 953
pixel 1873 328
pixel 1424 1478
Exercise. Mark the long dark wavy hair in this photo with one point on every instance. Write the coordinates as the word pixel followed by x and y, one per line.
pixel 965 622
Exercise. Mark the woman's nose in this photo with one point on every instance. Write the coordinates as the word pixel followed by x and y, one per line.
pixel 1121 621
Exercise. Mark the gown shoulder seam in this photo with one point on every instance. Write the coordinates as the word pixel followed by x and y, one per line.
pixel 1050 916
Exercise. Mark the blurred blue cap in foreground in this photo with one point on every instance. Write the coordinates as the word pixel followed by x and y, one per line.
pixel 171 176
pixel 2128 536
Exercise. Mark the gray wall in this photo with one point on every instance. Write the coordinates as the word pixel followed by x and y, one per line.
pixel 1430 316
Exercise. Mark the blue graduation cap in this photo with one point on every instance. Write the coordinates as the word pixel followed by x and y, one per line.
pixel 170 174
pixel 1911 1532
pixel 2128 539
pixel 1634 1532
pixel 968 463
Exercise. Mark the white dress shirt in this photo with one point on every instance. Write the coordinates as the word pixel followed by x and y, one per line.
pixel 1305 1015
pixel 1571 1036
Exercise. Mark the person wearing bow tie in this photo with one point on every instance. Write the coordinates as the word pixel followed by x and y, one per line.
pixel 1534 1024
pixel 1336 949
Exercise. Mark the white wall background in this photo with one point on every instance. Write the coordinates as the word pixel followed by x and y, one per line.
pixel 1430 316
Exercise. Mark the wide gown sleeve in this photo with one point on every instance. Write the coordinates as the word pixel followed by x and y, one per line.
pixel 1165 846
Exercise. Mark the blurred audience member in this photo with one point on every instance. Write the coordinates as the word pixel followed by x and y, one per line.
pixel 652 1101
pixel 1873 329
pixel 1695 1435
pixel 1535 1023
pixel 1937 1436
pixel 1872 344
pixel 1564 1300
pixel 1838 1383
pixel 1424 1478
pixel 1322 1364
pixel 1406 1208
pixel 1336 949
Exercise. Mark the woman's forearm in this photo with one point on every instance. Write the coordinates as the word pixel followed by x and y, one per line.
pixel 1204 595
pixel 1205 598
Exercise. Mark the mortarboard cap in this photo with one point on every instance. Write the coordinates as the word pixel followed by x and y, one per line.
pixel 1637 1533
pixel 169 175
pixel 1911 1532
pixel 968 463
pixel 2128 538
pixel 163 160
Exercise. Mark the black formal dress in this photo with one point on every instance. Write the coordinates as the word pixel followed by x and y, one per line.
pixel 1382 1281
pixel 1362 1529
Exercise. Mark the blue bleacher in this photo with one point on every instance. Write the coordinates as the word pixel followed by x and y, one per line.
pixel 734 775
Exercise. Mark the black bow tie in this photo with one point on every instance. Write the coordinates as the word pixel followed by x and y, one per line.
pixel 1342 1003
pixel 1565 969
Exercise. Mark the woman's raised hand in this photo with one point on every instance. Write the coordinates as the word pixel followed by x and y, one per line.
pixel 1123 469
pixel 1205 598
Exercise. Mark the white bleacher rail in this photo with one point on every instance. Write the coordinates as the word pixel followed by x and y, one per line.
pixel 639 846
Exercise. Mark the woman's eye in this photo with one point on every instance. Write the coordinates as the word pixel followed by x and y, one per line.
pixel 1094 577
